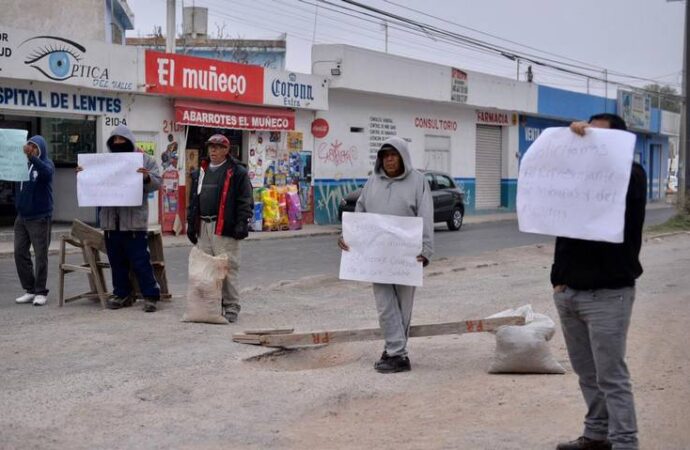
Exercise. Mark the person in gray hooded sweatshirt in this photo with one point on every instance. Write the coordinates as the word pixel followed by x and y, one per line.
pixel 125 230
pixel 396 188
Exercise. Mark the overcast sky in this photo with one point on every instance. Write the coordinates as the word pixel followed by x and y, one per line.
pixel 641 38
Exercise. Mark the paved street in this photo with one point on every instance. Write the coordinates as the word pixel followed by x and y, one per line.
pixel 273 260
pixel 84 378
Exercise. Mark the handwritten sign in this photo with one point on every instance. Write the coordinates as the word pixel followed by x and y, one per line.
pixel 576 186
pixel 110 179
pixel 383 249
pixel 13 161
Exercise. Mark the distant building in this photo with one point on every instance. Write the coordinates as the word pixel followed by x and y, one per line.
pixel 97 20
pixel 195 41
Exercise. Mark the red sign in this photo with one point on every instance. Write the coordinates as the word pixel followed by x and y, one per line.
pixel 319 128
pixel 493 117
pixel 189 76
pixel 233 116
pixel 433 123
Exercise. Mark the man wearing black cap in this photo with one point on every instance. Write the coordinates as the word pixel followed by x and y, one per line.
pixel 220 207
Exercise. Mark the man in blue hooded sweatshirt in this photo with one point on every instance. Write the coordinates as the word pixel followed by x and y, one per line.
pixel 34 203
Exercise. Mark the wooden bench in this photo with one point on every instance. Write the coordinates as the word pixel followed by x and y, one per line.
pixel 91 241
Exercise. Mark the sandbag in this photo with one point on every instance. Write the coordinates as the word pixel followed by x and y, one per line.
pixel 205 287
pixel 525 349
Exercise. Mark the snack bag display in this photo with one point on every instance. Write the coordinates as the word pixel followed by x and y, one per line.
pixel 271 213
pixel 283 221
pixel 294 209
pixel 258 216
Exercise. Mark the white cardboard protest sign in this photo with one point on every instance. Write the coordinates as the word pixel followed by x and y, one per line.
pixel 110 179
pixel 575 186
pixel 13 161
pixel 383 249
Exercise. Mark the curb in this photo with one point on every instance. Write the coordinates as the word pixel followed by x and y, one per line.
pixel 5 253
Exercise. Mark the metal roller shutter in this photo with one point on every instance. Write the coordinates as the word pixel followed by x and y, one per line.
pixel 488 167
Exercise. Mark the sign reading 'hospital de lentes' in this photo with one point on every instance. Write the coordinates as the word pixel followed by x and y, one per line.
pixel 189 76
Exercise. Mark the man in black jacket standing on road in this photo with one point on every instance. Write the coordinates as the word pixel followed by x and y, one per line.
pixel 594 290
pixel 220 207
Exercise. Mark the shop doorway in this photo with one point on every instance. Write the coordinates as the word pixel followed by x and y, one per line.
pixel 488 167
pixel 7 188
pixel 654 175
pixel 199 135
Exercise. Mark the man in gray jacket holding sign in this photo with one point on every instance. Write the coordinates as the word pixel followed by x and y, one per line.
pixel 126 232
pixel 396 188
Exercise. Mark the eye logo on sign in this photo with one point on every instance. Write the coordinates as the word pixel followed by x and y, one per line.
pixel 55 57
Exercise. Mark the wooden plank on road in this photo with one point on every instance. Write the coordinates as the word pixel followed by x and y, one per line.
pixel 283 339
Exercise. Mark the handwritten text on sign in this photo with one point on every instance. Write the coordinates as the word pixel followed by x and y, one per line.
pixel 13 161
pixel 383 249
pixel 576 186
pixel 110 179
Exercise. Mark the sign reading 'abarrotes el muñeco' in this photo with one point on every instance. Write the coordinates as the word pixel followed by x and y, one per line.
pixel 295 90
pixel 29 55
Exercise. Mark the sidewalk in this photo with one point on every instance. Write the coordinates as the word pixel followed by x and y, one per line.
pixel 7 235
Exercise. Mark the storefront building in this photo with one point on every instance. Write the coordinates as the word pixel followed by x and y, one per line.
pixel 73 93
pixel 266 114
pixel 455 121
pixel 558 107
pixel 79 92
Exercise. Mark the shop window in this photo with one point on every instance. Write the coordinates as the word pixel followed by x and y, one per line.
pixel 437 152
pixel 66 138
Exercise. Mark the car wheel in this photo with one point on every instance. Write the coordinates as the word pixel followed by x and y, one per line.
pixel 455 221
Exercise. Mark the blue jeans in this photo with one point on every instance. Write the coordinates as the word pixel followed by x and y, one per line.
pixel 129 250
pixel 595 327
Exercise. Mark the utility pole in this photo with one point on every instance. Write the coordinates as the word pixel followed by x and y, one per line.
pixel 170 27
pixel 518 69
pixel 385 30
pixel 606 89
pixel 683 166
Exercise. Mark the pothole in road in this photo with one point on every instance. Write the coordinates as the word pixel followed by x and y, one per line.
pixel 308 358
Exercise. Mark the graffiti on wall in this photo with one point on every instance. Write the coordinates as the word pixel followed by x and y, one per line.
pixel 337 153
pixel 327 197
pixel 468 187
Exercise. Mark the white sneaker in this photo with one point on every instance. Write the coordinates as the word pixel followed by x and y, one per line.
pixel 40 300
pixel 26 298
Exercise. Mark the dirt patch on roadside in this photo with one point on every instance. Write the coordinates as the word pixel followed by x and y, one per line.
pixel 309 358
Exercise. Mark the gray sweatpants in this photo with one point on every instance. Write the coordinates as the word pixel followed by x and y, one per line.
pixel 394 305
pixel 595 326
pixel 28 233
pixel 212 244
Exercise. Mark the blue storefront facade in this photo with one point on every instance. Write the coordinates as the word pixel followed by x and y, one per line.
pixel 557 108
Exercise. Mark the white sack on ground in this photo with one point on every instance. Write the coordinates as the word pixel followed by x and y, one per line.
pixel 204 287
pixel 525 349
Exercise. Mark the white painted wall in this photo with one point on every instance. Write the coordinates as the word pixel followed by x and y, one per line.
pixel 510 156
pixel 343 154
pixel 670 123
pixel 371 71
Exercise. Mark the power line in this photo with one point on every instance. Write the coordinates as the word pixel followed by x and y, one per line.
pixel 546 62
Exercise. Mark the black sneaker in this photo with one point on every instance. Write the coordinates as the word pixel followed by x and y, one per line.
pixel 585 443
pixel 115 302
pixel 392 364
pixel 149 305
pixel 231 316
